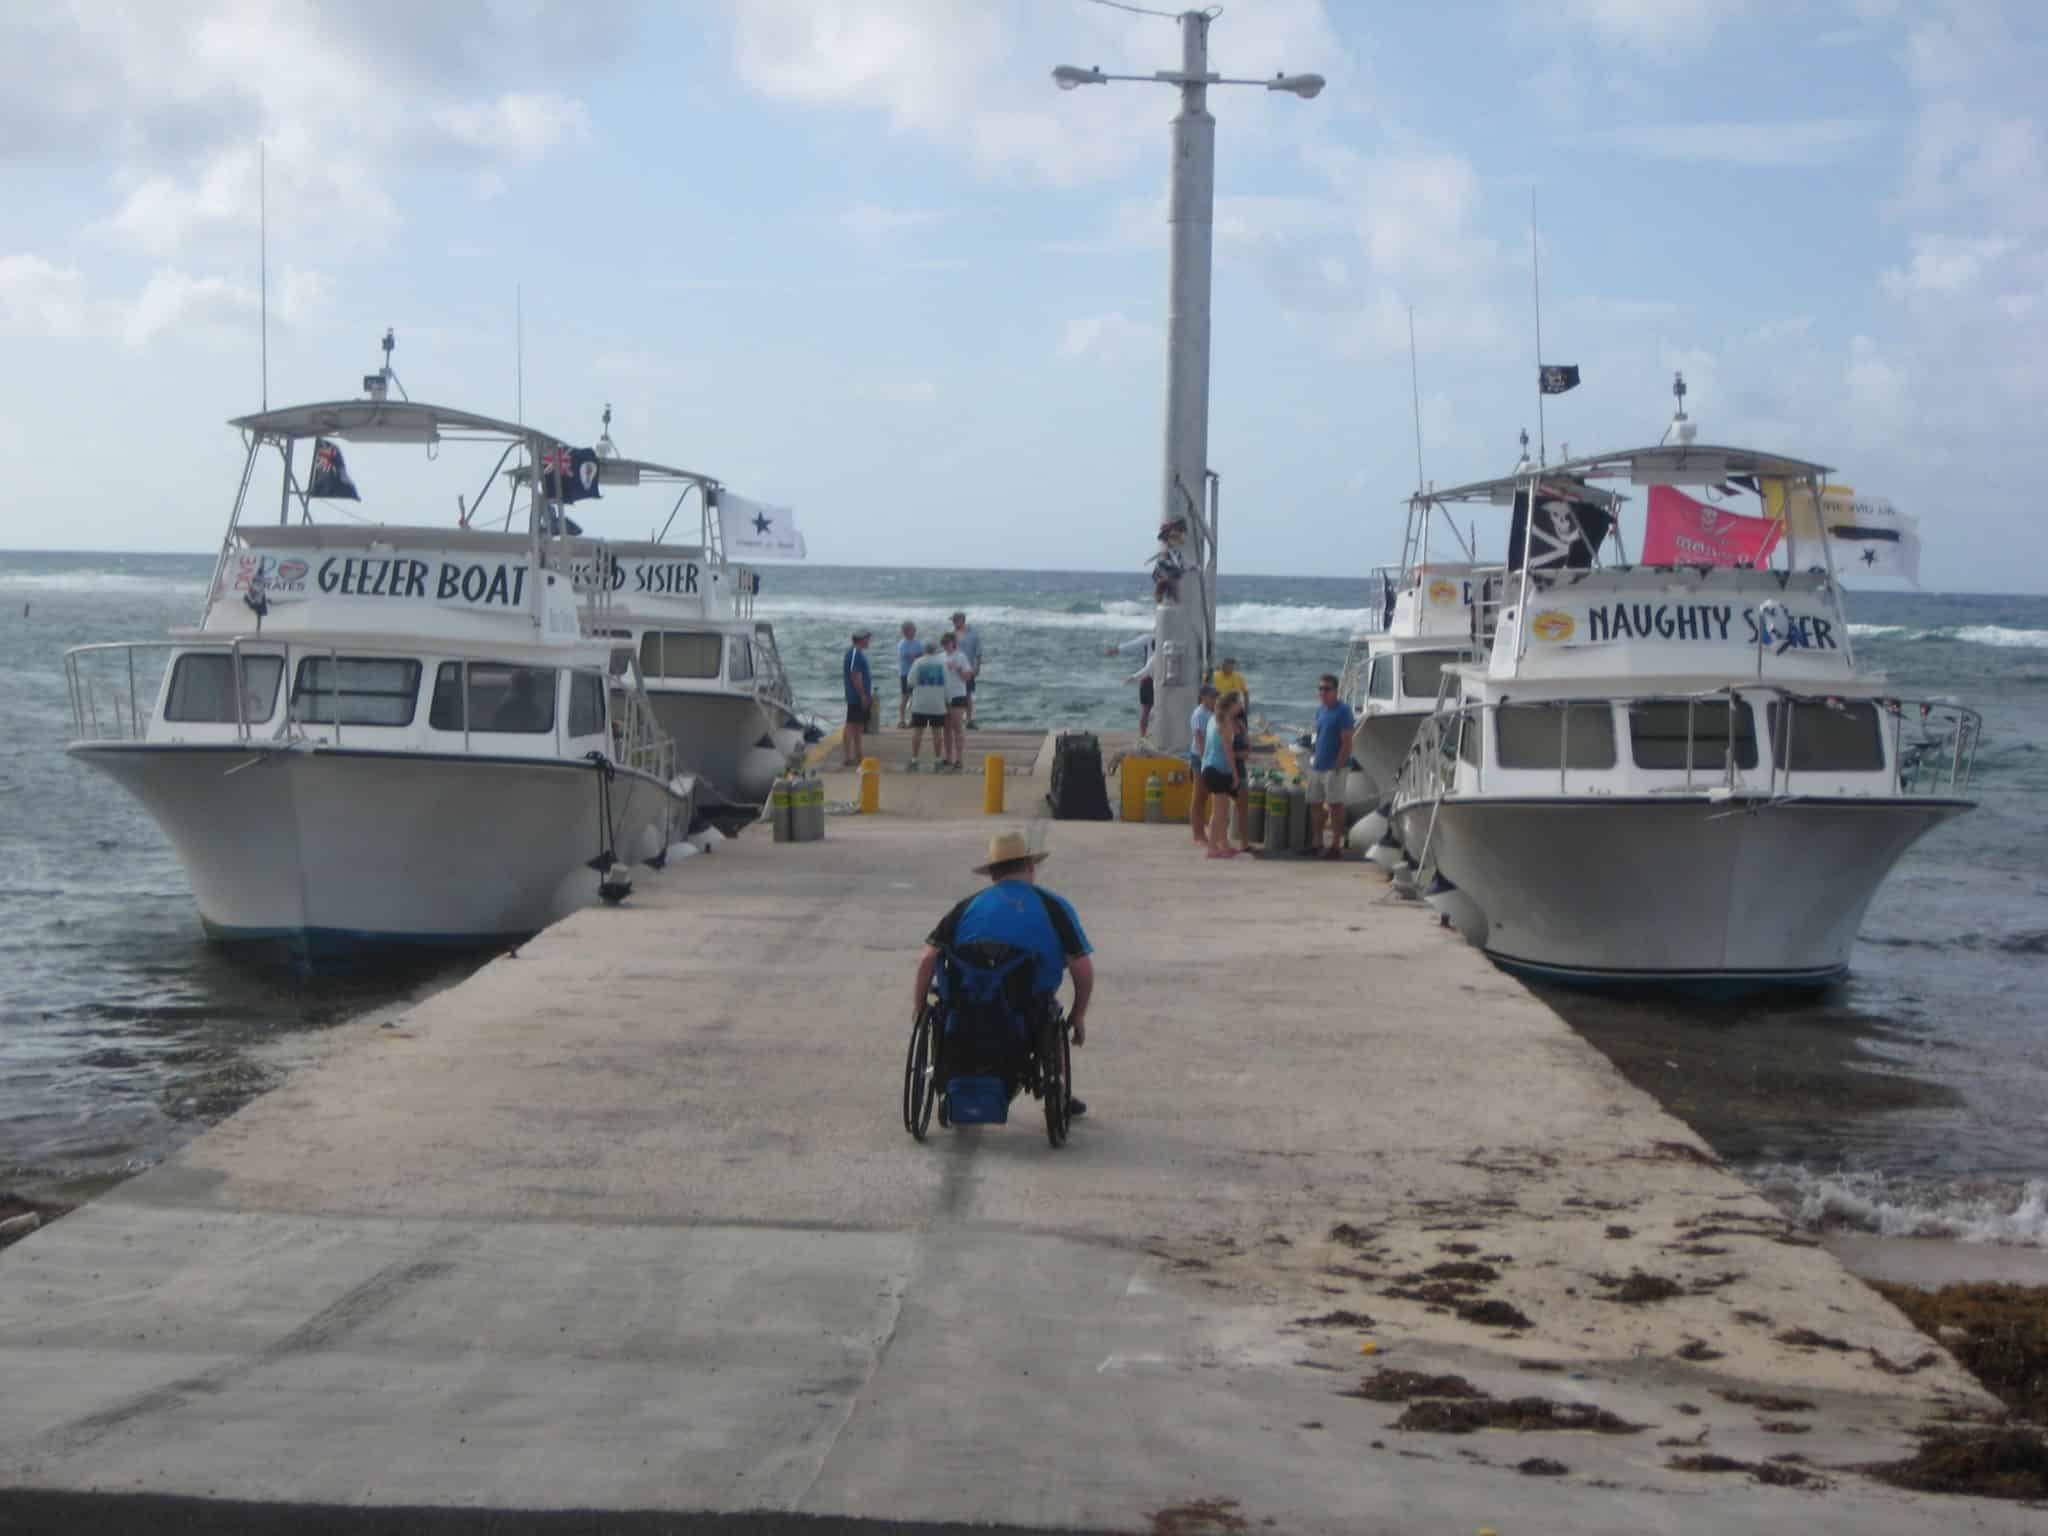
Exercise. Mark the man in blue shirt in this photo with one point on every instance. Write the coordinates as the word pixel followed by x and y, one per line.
pixel 1014 910
pixel 1331 754
pixel 860 697
pixel 908 649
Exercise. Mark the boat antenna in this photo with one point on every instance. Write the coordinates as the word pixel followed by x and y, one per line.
pixel 1536 288
pixel 263 261
pixel 519 353
pixel 1683 428
pixel 606 448
pixel 1415 390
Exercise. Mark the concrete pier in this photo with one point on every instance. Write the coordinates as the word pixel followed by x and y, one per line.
pixel 629 1222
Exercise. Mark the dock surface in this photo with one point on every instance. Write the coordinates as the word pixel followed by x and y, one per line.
pixel 629 1222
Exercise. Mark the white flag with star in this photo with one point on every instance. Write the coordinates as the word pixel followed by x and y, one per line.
pixel 753 530
pixel 1871 535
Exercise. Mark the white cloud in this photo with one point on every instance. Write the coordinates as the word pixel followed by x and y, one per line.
pixel 1650 26
pixel 948 73
pixel 1113 339
pixel 1944 266
pixel 41 299
pixel 1412 212
pixel 1763 145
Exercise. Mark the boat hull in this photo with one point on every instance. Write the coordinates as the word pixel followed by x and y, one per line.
pixel 1691 893
pixel 718 737
pixel 333 850
pixel 1380 746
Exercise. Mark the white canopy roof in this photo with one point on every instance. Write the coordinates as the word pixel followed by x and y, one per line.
pixel 1663 464
pixel 382 421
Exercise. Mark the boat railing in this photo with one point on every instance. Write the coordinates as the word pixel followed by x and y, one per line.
pixel 1932 745
pixel 771 679
pixel 640 742
pixel 113 697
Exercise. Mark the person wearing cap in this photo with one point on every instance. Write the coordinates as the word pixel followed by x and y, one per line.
pixel 908 649
pixel 860 696
pixel 1198 736
pixel 1142 646
pixel 969 640
pixel 1016 910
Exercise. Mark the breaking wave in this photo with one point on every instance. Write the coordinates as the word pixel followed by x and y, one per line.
pixel 1120 617
pixel 114 583
pixel 1969 1211
pixel 1996 635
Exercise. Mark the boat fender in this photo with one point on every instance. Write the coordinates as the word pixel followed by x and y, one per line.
pixel 616 885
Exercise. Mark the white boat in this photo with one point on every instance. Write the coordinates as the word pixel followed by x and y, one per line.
pixel 712 668
pixel 385 733
pixel 1427 613
pixel 1674 775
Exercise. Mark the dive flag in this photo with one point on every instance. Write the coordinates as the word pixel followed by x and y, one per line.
pixel 757 530
pixel 569 474
pixel 330 475
pixel 1879 537
pixel 1556 378
pixel 1681 531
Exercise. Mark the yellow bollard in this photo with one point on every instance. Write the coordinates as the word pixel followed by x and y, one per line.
pixel 870 786
pixel 992 784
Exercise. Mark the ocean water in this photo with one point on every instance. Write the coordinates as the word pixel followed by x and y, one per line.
pixel 122 1031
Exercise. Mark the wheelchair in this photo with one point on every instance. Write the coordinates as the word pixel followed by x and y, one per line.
pixel 981 1039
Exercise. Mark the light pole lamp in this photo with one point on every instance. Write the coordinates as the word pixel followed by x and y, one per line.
pixel 1180 629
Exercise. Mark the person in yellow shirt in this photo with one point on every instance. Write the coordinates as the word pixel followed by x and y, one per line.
pixel 1228 677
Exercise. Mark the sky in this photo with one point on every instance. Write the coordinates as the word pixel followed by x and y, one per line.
pixel 861 257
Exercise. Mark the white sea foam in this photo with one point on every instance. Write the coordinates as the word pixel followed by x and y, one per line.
pixel 1114 618
pixel 113 582
pixel 1972 1211
pixel 1998 635
pixel 1970 634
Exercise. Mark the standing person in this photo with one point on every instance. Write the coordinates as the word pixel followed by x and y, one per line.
pixel 969 640
pixel 1017 911
pixel 1198 737
pixel 907 652
pixel 959 696
pixel 928 704
pixel 1220 771
pixel 859 678
pixel 1228 677
pixel 1240 795
pixel 1144 645
pixel 1334 726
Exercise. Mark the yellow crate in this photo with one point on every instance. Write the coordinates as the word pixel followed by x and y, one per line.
pixel 1177 786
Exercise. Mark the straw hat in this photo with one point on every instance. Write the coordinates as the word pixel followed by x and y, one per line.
pixel 1009 848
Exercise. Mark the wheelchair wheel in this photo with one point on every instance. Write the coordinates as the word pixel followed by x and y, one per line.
pixel 1056 1080
pixel 919 1091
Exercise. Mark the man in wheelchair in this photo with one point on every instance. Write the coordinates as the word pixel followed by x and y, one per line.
pixel 991 970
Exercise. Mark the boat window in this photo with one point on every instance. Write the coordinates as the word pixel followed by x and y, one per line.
pixel 1579 735
pixel 503 699
pixel 739 661
pixel 1657 733
pixel 586 704
pixel 203 688
pixel 1828 737
pixel 1422 671
pixel 363 690
pixel 679 653
pixel 1469 730
pixel 1380 682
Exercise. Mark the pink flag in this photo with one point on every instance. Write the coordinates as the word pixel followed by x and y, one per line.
pixel 1681 531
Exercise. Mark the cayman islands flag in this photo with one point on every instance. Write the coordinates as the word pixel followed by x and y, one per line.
pixel 1681 531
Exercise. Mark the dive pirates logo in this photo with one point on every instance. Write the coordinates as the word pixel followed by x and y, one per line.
pixel 1553 626
pixel 1442 593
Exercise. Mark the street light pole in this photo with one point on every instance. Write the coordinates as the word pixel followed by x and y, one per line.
pixel 1184 614
pixel 1180 628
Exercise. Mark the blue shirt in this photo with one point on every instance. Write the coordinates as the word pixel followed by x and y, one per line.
pixel 907 651
pixel 1198 731
pixel 970 646
pixel 1024 916
pixel 1212 750
pixel 856 666
pixel 1332 721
